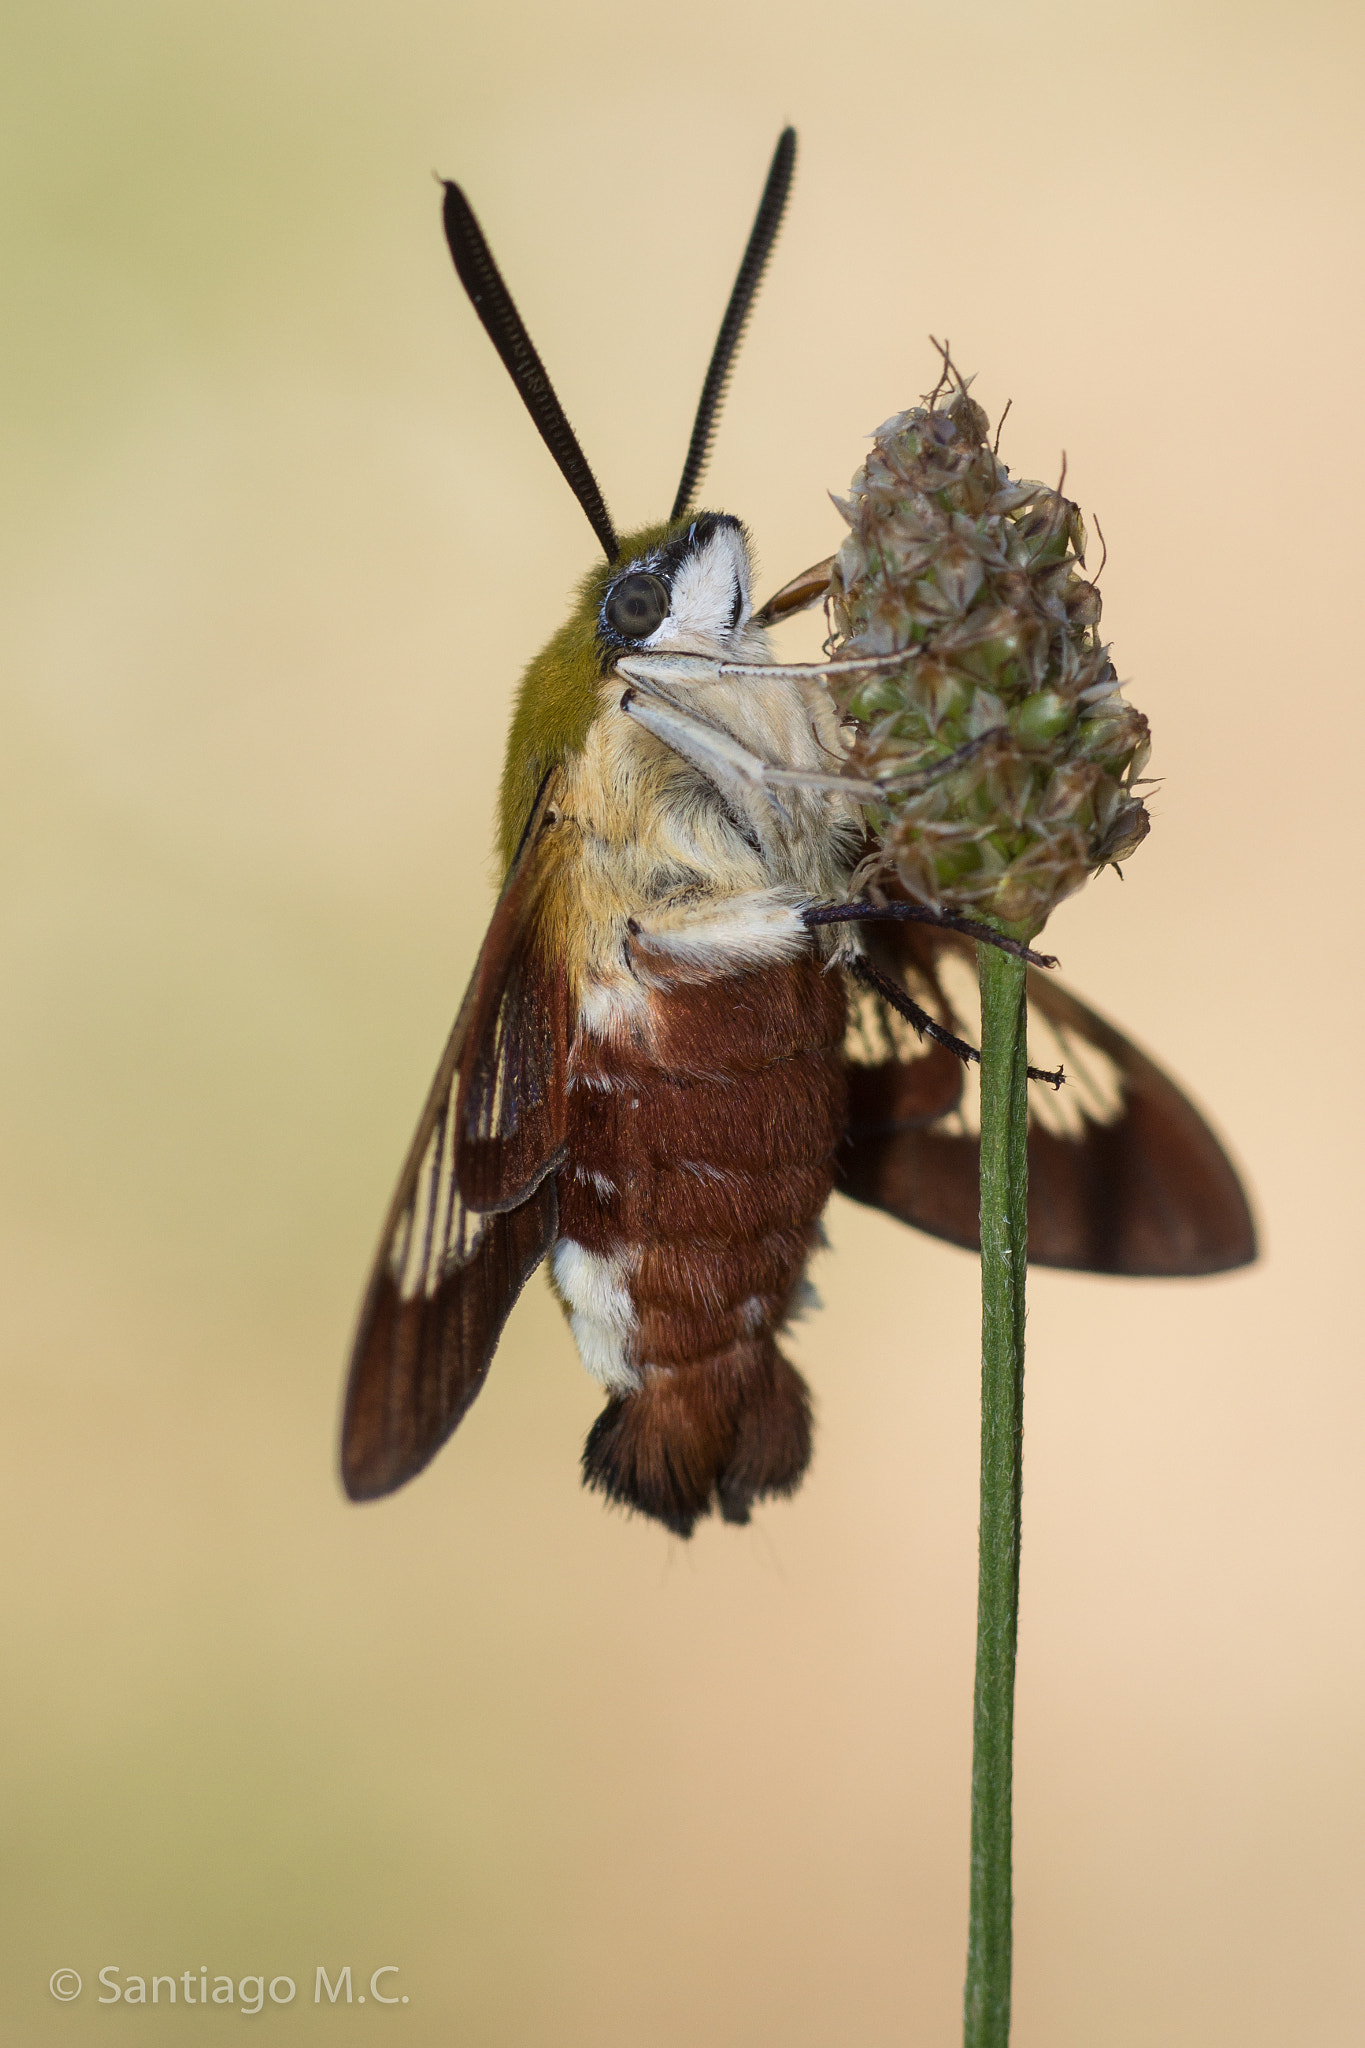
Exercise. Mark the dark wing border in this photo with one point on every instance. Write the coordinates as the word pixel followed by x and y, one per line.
pixel 475 1210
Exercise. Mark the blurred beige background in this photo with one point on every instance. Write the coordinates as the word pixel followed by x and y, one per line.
pixel 277 539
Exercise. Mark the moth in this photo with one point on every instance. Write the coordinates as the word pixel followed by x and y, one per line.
pixel 681 1036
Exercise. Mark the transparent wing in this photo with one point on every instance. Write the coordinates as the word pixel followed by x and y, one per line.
pixel 475 1209
pixel 1125 1175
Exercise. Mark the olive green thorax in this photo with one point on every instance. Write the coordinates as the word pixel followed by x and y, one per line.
pixel 557 696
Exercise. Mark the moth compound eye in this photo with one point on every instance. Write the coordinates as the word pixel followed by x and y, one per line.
pixel 636 606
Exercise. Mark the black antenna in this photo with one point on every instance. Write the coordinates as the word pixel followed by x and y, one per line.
pixel 492 301
pixel 767 221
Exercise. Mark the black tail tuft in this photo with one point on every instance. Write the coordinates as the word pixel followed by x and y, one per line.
pixel 723 1432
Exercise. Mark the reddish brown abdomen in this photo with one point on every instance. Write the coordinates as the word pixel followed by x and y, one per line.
pixel 701 1154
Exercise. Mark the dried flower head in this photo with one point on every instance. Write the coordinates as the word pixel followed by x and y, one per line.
pixel 1005 750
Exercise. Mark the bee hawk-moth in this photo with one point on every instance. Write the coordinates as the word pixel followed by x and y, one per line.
pixel 665 1063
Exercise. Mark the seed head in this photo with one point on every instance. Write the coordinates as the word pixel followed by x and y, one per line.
pixel 999 735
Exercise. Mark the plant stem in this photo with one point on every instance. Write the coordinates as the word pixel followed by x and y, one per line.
pixel 1004 1247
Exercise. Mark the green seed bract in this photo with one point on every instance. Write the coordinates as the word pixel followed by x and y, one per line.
pixel 997 729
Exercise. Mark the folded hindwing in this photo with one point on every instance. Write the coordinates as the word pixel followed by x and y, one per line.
pixel 1125 1175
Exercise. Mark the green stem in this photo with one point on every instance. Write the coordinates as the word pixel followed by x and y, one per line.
pixel 1004 1243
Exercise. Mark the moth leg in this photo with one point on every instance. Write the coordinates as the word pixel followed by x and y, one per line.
pixel 919 913
pixel 743 777
pixel 796 671
pixel 911 1011
pixel 925 1025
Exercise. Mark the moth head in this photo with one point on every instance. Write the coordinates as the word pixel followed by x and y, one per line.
pixel 691 593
